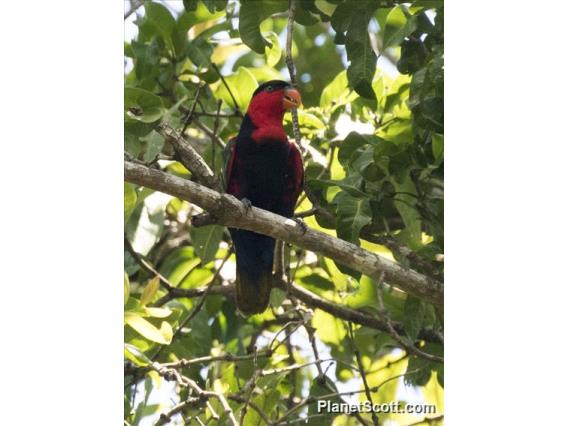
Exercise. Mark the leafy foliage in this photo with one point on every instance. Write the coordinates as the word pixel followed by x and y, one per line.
pixel 374 139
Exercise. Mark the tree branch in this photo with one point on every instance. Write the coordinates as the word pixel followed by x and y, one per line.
pixel 314 301
pixel 292 69
pixel 231 212
pixel 190 157
pixel 202 395
pixel 134 5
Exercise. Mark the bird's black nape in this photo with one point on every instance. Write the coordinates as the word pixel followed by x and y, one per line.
pixel 272 85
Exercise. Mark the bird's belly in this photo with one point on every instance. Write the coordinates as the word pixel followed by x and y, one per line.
pixel 264 169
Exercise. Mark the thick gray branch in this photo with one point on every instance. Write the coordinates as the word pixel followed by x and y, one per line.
pixel 231 212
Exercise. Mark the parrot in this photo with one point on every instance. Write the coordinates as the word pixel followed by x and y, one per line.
pixel 262 169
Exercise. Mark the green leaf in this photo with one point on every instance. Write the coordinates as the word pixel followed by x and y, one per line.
pixel 315 282
pixel 426 367
pixel 135 355
pixel 147 329
pixel 147 221
pixel 352 214
pixel 341 17
pixel 412 56
pixel 190 5
pixel 242 84
pixel 428 4
pixel 365 295
pixel 162 21
pixel 179 264
pixel 126 288
pixel 200 334
pixel 150 291
pixel 157 312
pixel 206 241
pixel 332 94
pixel 274 53
pixel 350 189
pixel 199 51
pixel 329 329
pixel 400 24
pixel 363 59
pixel 251 15
pixel 414 313
pixel 437 146
pixel 306 120
pixel 398 131
pixel 142 105
pixel 215 5
pixel 352 143
pixel 277 296
pixel 267 401
pixel 427 95
pixel 154 144
pixel 166 331
pixel 130 198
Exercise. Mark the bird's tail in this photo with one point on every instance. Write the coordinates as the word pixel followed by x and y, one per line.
pixel 255 254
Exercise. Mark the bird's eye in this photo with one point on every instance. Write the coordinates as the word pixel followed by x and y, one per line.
pixel 269 88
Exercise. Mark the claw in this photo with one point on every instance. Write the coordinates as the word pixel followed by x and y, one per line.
pixel 247 204
pixel 301 223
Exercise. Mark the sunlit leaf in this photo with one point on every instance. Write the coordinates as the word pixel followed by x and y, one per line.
pixel 273 53
pixel 150 290
pixel 328 328
pixel 145 328
pixel 400 24
pixel 135 355
pixel 157 312
pixel 126 288
pixel 337 92
pixel 365 295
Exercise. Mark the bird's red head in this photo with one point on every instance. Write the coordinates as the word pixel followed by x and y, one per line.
pixel 267 107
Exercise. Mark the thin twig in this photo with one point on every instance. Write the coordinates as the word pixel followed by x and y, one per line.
pixel 362 373
pixel 189 157
pixel 236 105
pixel 311 334
pixel 311 399
pixel 292 69
pixel 427 420
pixel 134 6
pixel 145 265
pixel 228 357
pixel 215 130
pixel 261 413
pixel 209 133
pixel 189 115
pixel 172 374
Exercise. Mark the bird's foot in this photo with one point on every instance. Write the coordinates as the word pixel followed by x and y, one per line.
pixel 301 224
pixel 247 205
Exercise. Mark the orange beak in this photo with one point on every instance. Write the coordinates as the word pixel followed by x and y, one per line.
pixel 292 99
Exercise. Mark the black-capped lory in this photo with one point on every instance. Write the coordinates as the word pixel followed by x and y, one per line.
pixel 263 169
